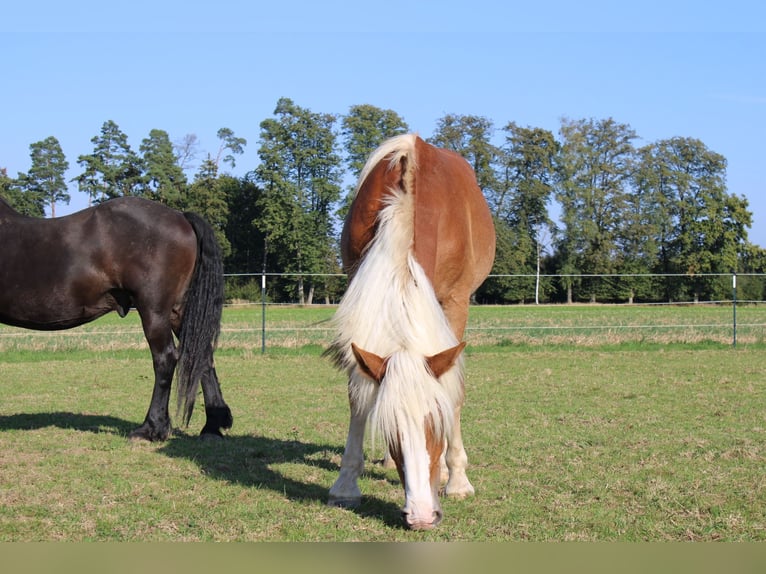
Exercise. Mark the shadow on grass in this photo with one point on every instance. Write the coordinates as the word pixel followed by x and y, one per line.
pixel 250 460
pixel 67 420
pixel 242 459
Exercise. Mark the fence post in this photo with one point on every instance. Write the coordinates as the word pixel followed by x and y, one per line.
pixel 734 307
pixel 263 313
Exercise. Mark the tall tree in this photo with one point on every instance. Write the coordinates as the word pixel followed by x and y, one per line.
pixel 6 183
pixel 230 145
pixel 113 169
pixel 22 200
pixel 164 178
pixel 752 261
pixel 524 189
pixel 701 227
pixel 247 242
pixel 527 176
pixel 207 196
pixel 363 129
pixel 300 175
pixel 186 150
pixel 470 136
pixel 46 177
pixel 594 169
pixel 636 238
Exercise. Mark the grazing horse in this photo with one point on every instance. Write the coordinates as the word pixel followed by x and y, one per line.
pixel 417 242
pixel 127 252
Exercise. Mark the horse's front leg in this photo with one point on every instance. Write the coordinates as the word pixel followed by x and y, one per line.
pixel 345 492
pixel 156 425
pixel 458 485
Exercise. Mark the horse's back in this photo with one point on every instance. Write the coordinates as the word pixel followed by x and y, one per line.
pixel 142 233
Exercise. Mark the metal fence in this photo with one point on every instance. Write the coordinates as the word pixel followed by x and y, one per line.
pixel 257 323
pixel 635 317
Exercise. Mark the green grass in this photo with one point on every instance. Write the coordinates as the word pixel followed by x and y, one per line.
pixel 609 439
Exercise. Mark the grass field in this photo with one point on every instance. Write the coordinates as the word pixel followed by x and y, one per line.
pixel 581 423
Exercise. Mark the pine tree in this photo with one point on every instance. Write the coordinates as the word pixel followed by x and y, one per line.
pixel 113 169
pixel 164 180
pixel 46 177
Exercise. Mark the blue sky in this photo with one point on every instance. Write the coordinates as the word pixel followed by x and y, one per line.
pixel 672 68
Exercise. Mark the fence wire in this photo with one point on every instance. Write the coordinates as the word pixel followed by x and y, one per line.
pixel 258 322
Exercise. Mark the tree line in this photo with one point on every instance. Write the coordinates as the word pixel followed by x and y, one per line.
pixel 623 210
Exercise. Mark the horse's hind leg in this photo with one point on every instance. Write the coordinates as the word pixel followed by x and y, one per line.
pixel 217 412
pixel 156 425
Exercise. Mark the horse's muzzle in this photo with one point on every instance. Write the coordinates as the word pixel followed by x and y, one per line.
pixel 420 524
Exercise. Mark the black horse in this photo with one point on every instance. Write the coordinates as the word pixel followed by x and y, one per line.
pixel 123 253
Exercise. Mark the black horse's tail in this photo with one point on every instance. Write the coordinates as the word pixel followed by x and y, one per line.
pixel 201 324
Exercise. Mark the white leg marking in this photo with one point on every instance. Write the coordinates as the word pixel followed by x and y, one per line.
pixel 345 492
pixel 458 485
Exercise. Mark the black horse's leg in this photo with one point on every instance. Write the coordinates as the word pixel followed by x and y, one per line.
pixel 156 426
pixel 217 412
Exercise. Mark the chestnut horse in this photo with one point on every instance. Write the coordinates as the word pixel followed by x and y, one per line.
pixel 417 242
pixel 127 252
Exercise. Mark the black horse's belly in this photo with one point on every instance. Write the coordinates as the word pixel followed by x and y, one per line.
pixel 54 314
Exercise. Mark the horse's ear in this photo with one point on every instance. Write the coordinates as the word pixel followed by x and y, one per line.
pixel 371 364
pixel 442 362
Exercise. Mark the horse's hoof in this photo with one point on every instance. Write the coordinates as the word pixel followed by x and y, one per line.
pixel 210 436
pixel 457 493
pixel 145 433
pixel 344 502
pixel 209 431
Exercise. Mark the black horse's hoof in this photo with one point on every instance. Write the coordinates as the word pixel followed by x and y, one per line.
pixel 145 432
pixel 218 418
pixel 210 434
